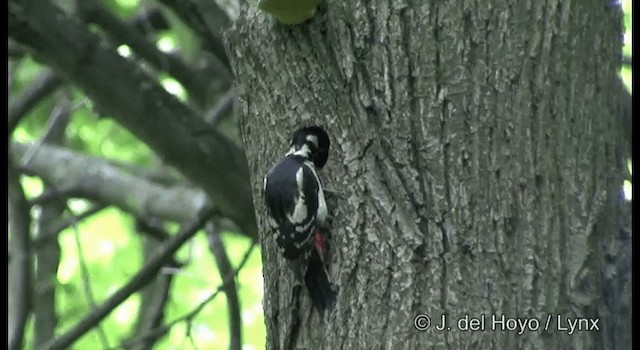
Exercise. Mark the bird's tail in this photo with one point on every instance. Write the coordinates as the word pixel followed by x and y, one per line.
pixel 317 281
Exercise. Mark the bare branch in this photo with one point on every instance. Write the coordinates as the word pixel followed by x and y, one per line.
pixel 50 233
pixel 231 291
pixel 44 84
pixel 222 108
pixel 152 228
pixel 207 20
pixel 188 317
pixel 141 279
pixel 20 266
pixel 122 90
pixel 86 282
pixel 63 222
pixel 59 119
pixel 52 194
pixel 156 295
pixel 163 175
pixel 48 257
pixel 149 20
pixel 225 282
pixel 54 130
pixel 153 312
pixel 47 254
pixel 198 85
pixel 83 176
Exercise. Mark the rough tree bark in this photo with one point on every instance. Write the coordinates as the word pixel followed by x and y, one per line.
pixel 476 156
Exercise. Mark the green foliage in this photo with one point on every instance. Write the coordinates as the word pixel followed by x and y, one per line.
pixel 186 41
pixel 113 251
pixel 123 8
pixel 25 73
pixel 105 138
pixel 112 255
pixel 201 278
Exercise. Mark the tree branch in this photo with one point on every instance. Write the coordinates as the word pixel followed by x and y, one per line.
pixel 207 20
pixel 84 176
pixel 163 175
pixel 152 228
pixel 156 295
pixel 20 266
pixel 148 21
pixel 142 278
pixel 86 283
pixel 45 83
pixel 188 317
pixel 52 194
pixel 50 233
pixel 231 291
pixel 48 256
pixel 120 89
pixel 225 282
pixel 198 85
pixel 56 125
pixel 221 109
pixel 152 314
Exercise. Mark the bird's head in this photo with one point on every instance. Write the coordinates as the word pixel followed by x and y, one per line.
pixel 311 143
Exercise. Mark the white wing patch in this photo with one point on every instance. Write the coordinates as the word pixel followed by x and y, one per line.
pixel 264 183
pixel 299 214
pixel 300 179
pixel 272 223
pixel 323 213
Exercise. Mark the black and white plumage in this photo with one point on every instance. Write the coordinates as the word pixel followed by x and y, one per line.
pixel 298 212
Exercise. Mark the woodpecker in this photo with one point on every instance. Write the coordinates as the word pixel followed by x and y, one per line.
pixel 298 212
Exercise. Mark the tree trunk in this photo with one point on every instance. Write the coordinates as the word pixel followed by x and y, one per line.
pixel 477 164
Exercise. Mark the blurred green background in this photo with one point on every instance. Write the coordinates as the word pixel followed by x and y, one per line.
pixel 113 252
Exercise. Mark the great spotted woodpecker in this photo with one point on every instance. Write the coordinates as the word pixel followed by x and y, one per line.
pixel 298 211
